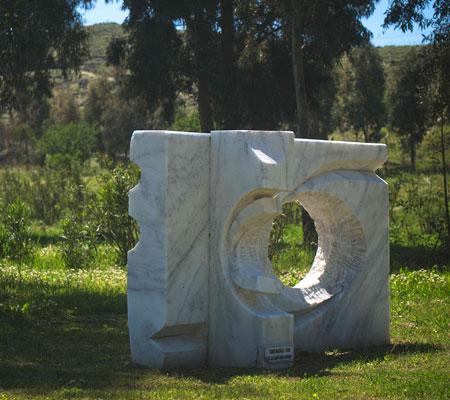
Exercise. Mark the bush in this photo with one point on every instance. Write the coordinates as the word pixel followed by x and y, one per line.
pixel 111 209
pixel 429 152
pixel 67 146
pixel 189 122
pixel 44 190
pixel 416 210
pixel 15 241
pixel 79 241
pixel 47 193
pixel 14 186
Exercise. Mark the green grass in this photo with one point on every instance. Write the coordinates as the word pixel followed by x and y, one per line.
pixel 63 335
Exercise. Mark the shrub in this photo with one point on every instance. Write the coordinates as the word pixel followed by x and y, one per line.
pixel 66 146
pixel 47 191
pixel 189 122
pixel 14 186
pixel 111 209
pixel 416 210
pixel 79 241
pixel 15 241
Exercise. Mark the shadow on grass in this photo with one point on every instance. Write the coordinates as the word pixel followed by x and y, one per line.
pixel 60 352
pixel 312 364
pixel 92 352
pixel 44 238
pixel 418 257
pixel 58 346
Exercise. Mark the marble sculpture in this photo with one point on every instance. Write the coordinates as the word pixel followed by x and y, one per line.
pixel 201 289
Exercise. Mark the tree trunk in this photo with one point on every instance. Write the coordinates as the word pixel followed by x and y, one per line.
pixel 365 130
pixel 444 173
pixel 298 70
pixel 229 93
pixel 412 152
pixel 200 31
pixel 366 134
pixel 204 103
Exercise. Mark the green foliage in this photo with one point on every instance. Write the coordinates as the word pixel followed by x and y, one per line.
pixel 408 103
pixel 359 99
pixel 116 115
pixel 15 225
pixel 417 218
pixel 44 190
pixel 97 101
pixel 404 14
pixel 187 123
pixel 64 110
pixel 47 189
pixel 78 247
pixel 35 37
pixel 119 120
pixel 429 151
pixel 24 138
pixel 155 79
pixel 111 209
pixel 79 231
pixel 240 64
pixel 14 185
pixel 67 146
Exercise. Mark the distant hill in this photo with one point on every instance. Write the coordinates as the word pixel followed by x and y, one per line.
pixel 99 37
pixel 393 55
pixel 93 67
pixel 101 34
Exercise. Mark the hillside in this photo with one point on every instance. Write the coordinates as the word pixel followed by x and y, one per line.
pixel 393 55
pixel 99 37
pixel 102 34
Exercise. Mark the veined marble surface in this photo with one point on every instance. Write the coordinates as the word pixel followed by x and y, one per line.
pixel 168 268
pixel 201 287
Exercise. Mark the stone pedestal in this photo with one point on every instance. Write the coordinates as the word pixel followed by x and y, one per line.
pixel 201 289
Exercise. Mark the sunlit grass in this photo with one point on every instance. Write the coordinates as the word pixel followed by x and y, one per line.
pixel 63 335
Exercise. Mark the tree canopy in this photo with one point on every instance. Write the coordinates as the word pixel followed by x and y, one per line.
pixel 36 37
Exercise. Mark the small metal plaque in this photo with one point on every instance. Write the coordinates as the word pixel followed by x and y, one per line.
pixel 275 354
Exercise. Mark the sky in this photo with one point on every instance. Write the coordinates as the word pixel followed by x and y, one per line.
pixel 381 37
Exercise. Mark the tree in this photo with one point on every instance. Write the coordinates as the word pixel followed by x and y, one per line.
pixel 407 102
pixel 403 14
pixel 115 114
pixel 184 36
pixel 24 138
pixel 37 36
pixel 67 146
pixel 344 30
pixel 359 100
pixel 96 101
pixel 63 109
pixel 120 119
pixel 229 99
pixel 311 43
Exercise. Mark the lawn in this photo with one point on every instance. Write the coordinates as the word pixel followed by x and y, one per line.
pixel 63 335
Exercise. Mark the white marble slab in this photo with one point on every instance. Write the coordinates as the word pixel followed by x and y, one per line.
pixel 201 287
pixel 168 268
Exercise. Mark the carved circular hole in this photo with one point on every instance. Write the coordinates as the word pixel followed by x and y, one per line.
pixel 290 250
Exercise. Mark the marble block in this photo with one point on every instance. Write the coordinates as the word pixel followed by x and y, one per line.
pixel 168 269
pixel 201 289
